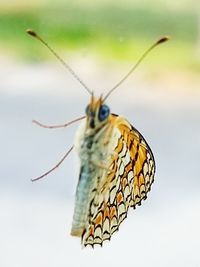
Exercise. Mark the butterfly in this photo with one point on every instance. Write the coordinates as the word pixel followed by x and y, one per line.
pixel 117 170
pixel 117 166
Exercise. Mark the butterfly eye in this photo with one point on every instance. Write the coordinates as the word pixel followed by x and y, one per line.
pixel 104 112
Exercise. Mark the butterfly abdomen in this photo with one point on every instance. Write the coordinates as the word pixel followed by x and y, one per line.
pixel 83 194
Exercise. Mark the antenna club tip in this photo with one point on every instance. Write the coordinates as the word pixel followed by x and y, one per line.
pixel 163 39
pixel 31 32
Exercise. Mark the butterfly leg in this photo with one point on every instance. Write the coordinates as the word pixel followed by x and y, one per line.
pixel 111 170
pixel 55 167
pixel 101 166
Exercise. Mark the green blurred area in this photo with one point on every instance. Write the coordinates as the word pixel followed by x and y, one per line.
pixel 112 31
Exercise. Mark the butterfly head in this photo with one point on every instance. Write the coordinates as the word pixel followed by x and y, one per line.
pixel 97 113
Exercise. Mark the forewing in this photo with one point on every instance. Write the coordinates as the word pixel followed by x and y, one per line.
pixel 126 183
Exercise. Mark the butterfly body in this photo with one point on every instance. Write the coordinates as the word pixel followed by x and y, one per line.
pixel 116 172
pixel 93 150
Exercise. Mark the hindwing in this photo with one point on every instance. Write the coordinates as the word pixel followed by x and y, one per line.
pixel 127 182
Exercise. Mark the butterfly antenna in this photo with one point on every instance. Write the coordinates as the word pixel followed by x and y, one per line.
pixel 35 35
pixel 160 41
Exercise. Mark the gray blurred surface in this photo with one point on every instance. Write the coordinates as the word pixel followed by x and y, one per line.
pixel 35 218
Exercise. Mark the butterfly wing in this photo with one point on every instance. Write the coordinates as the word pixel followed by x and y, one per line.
pixel 126 183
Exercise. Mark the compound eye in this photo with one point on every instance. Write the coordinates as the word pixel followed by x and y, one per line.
pixel 104 112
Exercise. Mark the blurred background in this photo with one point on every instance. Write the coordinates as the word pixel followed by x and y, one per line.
pixel 101 40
